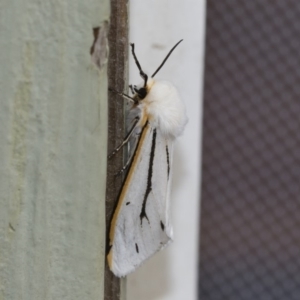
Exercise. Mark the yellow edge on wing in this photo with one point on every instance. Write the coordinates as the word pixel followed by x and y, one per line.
pixel 126 185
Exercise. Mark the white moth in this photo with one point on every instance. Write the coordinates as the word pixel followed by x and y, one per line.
pixel 141 222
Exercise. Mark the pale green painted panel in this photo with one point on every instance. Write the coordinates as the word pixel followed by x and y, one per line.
pixel 53 133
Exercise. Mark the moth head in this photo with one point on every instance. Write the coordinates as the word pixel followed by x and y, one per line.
pixel 142 90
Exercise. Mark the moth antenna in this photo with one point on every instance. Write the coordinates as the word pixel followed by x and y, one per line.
pixel 166 58
pixel 143 75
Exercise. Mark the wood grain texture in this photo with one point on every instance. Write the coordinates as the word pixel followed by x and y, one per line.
pixel 117 79
pixel 53 151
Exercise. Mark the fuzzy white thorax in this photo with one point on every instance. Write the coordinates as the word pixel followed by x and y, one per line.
pixel 164 107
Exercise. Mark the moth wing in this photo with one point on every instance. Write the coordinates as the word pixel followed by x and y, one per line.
pixel 141 223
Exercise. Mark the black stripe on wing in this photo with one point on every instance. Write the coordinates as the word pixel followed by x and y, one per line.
pixel 149 180
pixel 168 160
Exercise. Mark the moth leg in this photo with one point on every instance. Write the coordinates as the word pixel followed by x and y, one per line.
pixel 131 89
pixel 126 165
pixel 123 95
pixel 131 156
pixel 126 138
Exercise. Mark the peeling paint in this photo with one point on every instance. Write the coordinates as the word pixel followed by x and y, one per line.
pixel 99 49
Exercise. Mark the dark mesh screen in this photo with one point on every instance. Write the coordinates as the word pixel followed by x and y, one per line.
pixel 250 211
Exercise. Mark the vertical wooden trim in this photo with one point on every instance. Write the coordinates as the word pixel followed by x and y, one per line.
pixel 118 79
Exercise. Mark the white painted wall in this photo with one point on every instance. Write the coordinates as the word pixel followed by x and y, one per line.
pixel 155 26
